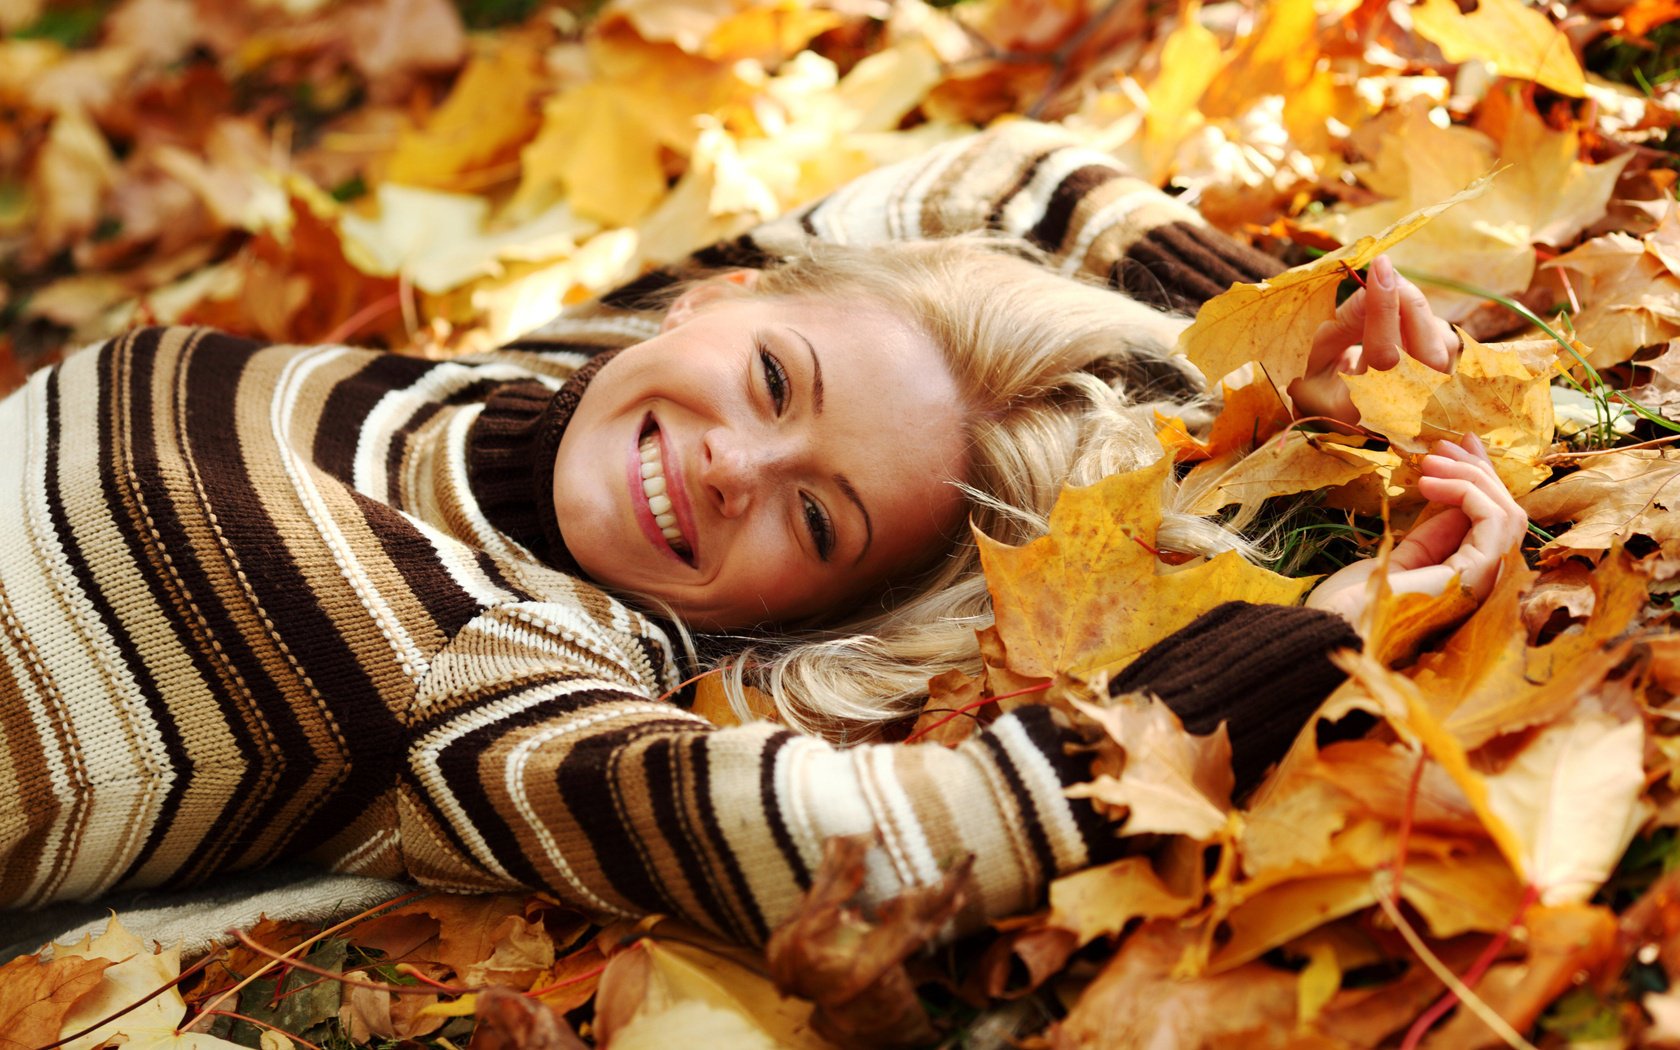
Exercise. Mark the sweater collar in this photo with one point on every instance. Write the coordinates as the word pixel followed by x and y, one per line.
pixel 510 459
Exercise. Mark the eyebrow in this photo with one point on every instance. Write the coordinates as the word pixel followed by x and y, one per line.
pixel 816 376
pixel 868 526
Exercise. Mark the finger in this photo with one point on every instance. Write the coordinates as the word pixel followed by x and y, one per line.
pixel 1333 338
pixel 1382 337
pixel 1432 541
pixel 1428 338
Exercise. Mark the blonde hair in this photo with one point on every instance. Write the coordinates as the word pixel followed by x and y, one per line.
pixel 1061 380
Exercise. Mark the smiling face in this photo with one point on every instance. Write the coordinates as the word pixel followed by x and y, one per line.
pixel 763 460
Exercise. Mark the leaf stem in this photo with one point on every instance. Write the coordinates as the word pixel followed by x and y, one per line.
pixel 972 705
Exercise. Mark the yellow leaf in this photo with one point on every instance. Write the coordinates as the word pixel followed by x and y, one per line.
pixel 1172 783
pixel 137 972
pixel 1491 394
pixel 1273 322
pixel 1190 61
pixel 490 113
pixel 595 144
pixel 1090 595
pixel 1515 39
pixel 1291 462
pixel 1544 195
pixel 1628 297
pixel 1102 900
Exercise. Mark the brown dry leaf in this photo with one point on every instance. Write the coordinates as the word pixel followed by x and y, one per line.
pixel 35 995
pixel 1629 298
pixel 1517 40
pixel 489 115
pixel 949 693
pixel 389 38
pixel 72 174
pixel 1273 322
pixel 507 1020
pixel 1089 595
pixel 1171 783
pixel 1566 588
pixel 1101 901
pixel 1020 960
pixel 1138 1002
pixel 1612 498
pixel 852 966
pixel 711 702
pixel 1543 194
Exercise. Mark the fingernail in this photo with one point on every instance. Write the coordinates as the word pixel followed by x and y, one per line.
pixel 1382 273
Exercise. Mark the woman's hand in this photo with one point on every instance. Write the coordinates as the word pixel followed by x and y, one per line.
pixel 1478 522
pixel 1377 323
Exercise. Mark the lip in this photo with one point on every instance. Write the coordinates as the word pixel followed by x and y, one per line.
pixel 674 489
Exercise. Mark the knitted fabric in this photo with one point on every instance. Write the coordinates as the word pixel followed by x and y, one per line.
pixel 1260 669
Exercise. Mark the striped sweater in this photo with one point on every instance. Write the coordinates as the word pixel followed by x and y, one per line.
pixel 268 601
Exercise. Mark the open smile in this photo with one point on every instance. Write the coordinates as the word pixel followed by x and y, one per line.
pixel 658 495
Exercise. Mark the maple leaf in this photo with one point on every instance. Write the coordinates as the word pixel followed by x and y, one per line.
pixel 134 973
pixel 35 995
pixel 1273 322
pixel 1543 194
pixel 1296 461
pixel 1628 299
pixel 1088 596
pixel 1101 901
pixel 510 1021
pixel 1612 498
pixel 1171 783
pixel 1492 394
pixel 1515 39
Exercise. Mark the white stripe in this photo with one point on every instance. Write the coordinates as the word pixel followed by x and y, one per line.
pixel 288 390
pixel 1103 221
pixel 1048 794
pixel 902 835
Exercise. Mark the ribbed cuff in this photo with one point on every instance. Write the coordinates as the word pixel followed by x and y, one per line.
pixel 1180 266
pixel 1261 669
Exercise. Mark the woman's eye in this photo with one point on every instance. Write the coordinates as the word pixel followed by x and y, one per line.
pixel 775 379
pixel 822 531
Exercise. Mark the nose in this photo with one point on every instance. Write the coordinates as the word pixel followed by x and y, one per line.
pixel 736 466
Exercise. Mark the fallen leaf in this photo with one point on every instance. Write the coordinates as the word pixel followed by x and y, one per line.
pixel 1171 782
pixel 510 1021
pixel 1491 394
pixel 658 994
pixel 490 114
pixel 851 965
pixel 1612 498
pixel 1273 322
pixel 1543 194
pixel 135 973
pixel 1291 462
pixel 1102 901
pixel 1517 40
pixel 1138 1001
pixel 1090 595
pixel 35 995
pixel 1628 297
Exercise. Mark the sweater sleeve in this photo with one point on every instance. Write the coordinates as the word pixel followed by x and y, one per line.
pixel 1260 669
pixel 540 756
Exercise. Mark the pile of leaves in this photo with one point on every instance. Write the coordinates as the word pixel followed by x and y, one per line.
pixel 1472 843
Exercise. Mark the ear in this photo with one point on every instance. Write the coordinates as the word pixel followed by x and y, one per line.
pixel 704 293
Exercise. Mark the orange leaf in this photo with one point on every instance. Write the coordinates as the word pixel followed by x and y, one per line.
pixel 35 996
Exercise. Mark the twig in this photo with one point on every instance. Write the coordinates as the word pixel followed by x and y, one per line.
pixel 300 1040
pixel 354 982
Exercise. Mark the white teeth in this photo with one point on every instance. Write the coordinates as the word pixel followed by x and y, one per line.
pixel 653 487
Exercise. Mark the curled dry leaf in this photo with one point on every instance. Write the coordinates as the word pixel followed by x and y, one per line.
pixel 1169 782
pixel 1611 499
pixel 135 973
pixel 510 1021
pixel 1101 901
pixel 852 965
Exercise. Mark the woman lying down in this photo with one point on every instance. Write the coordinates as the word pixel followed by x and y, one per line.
pixel 425 619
